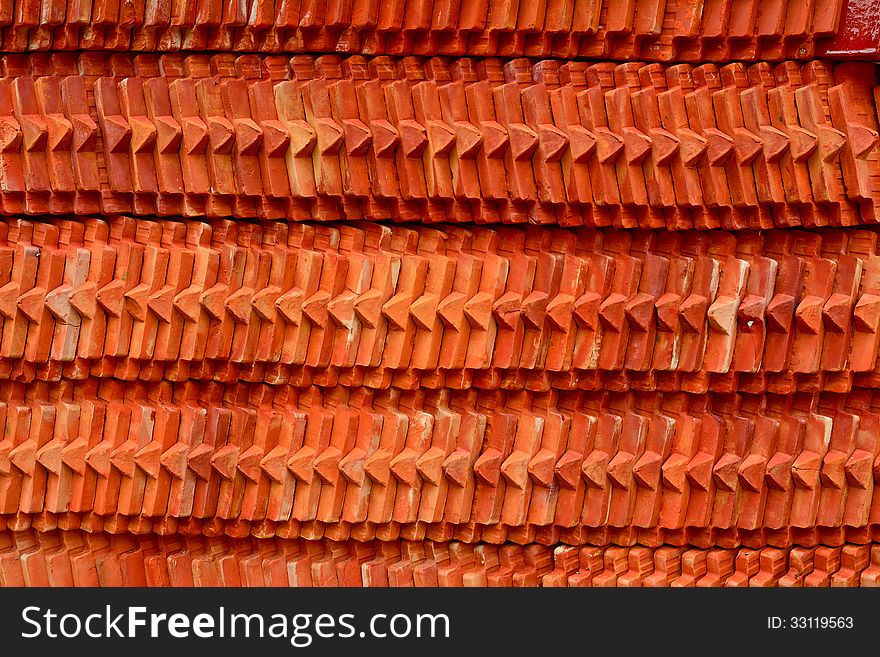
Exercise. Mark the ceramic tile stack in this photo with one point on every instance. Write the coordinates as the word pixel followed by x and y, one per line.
pixel 503 293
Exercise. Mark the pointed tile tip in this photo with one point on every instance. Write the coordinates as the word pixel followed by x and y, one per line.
pixel 457 466
pixel 515 469
pixel 248 136
pixel 488 466
pixel 542 467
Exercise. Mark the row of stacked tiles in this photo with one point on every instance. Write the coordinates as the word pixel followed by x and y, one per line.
pixel 659 30
pixel 365 304
pixel 629 145
pixel 443 532
pixel 76 559
pixel 469 462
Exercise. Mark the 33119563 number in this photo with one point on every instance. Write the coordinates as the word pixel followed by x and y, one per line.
pixel 810 623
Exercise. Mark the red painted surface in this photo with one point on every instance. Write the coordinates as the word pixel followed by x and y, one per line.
pixel 858 34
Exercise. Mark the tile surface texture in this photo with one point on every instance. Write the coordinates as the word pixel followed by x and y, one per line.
pixel 499 293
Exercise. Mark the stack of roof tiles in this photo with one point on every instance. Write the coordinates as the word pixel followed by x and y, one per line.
pixel 505 293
